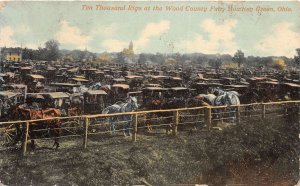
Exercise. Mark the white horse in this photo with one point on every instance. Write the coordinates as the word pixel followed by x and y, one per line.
pixel 95 86
pixel 223 99
pixel 119 107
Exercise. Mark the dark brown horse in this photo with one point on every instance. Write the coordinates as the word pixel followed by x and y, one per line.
pixel 164 118
pixel 109 93
pixel 48 128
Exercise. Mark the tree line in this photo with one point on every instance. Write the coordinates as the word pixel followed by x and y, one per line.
pixel 51 52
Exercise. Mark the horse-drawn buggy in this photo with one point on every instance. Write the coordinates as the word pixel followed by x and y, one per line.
pixel 89 73
pixel 228 81
pixel 11 134
pixel 134 81
pixel 236 87
pixel 118 81
pixel 24 71
pixel 15 88
pixel 61 77
pixel 98 76
pixel 178 95
pixel 157 79
pixel 50 73
pixel 269 90
pixel 80 80
pixel 9 100
pixel 120 91
pixel 35 82
pixel 245 92
pixel 4 78
pixel 157 98
pixel 137 94
pixel 151 94
pixel 94 101
pixel 203 88
pixel 57 100
pixel 71 71
pixel 172 82
pixel 290 91
pixel 64 87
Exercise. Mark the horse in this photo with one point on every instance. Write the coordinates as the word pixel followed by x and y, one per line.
pixel 195 114
pixel 53 126
pixel 109 92
pixel 217 91
pixel 77 101
pixel 250 96
pixel 165 118
pixel 221 98
pixel 1 80
pixel 119 107
pixel 95 86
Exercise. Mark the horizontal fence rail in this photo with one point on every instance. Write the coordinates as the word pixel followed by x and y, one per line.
pixel 131 122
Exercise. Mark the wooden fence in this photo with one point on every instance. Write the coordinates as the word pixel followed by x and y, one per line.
pixel 204 117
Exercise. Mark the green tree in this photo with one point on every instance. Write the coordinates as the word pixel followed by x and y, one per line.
pixel 280 64
pixel 52 50
pixel 200 60
pixel 29 54
pixel 120 58
pixel 297 58
pixel 142 59
pixel 41 54
pixel 157 58
pixel 239 58
pixel 170 61
pixel 215 63
pixel 104 59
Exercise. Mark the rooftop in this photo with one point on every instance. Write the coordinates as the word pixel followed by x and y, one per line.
pixel 8 94
pixel 96 92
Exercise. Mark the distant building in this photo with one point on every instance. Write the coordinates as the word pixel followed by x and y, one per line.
pixel 128 53
pixel 11 54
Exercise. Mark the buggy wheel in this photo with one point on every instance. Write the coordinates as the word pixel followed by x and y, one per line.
pixel 72 127
pixel 8 135
pixel 98 125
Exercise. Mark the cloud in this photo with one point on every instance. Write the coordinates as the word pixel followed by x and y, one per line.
pixel 6 37
pixel 114 45
pixel 149 31
pixel 72 35
pixel 220 38
pixel 281 41
pixel 8 33
pixel 2 5
pixel 107 30
pixel 23 29
pixel 32 45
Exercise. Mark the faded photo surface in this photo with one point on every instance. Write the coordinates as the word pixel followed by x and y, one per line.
pixel 149 93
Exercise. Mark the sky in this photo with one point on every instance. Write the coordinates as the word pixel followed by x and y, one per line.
pixel 276 33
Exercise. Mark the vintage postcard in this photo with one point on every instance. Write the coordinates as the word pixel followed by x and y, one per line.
pixel 149 93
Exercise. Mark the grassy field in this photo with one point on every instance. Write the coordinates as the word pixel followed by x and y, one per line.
pixel 253 153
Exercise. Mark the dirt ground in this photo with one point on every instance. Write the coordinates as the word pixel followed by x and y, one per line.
pixel 152 160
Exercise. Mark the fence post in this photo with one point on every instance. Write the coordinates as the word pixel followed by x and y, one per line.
pixel 263 111
pixel 176 121
pixel 298 112
pixel 238 115
pixel 135 123
pixel 87 122
pixel 26 139
pixel 286 106
pixel 208 117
